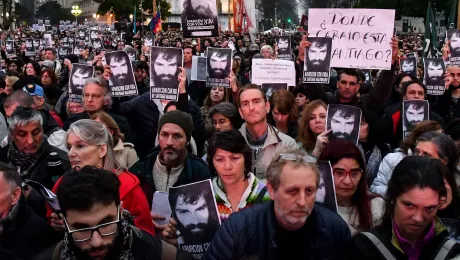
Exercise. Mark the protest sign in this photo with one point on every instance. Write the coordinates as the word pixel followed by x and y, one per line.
pixel 273 71
pixel 434 70
pixel 199 19
pixel 284 47
pixel 30 50
pixel 360 37
pixel 164 72
pixel 317 65
pixel 198 68
pixel 414 112
pixel 453 39
pixel 218 66
pixel 78 76
pixel 122 82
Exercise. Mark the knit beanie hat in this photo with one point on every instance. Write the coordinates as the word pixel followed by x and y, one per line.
pixel 177 117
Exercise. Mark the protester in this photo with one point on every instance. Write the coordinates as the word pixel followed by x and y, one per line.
pixel 90 200
pixel 312 130
pixel 360 209
pixel 215 97
pixel 90 143
pixel 409 228
pixel 299 228
pixel 283 112
pixel 50 85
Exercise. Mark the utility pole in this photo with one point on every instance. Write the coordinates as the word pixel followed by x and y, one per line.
pixel 276 21
pixel 154 7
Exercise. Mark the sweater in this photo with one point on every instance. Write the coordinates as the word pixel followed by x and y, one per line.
pixel 350 214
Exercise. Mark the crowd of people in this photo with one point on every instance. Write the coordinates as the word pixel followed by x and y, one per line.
pixel 106 158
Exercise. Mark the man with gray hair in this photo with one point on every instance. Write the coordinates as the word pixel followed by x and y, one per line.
pixel 291 226
pixel 29 151
pixel 98 97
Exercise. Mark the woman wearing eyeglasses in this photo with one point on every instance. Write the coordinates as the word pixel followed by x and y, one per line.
pixel 360 209
pixel 90 143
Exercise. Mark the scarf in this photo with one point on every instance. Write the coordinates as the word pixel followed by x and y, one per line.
pixel 128 231
pixel 10 216
pixel 23 160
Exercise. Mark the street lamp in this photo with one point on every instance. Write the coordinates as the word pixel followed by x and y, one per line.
pixel 76 11
pixel 131 17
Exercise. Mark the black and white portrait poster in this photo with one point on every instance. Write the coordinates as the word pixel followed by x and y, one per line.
pixel 434 75
pixel 64 52
pixel 367 76
pixel 326 189
pixel 199 18
pixel 49 197
pixel 30 50
pixel 132 56
pixel 198 68
pixel 77 50
pixel 97 44
pixel 164 72
pixel 270 88
pixel 94 34
pixel 71 40
pixel 414 112
pixel 82 35
pixel 122 81
pixel 36 43
pixel 218 67
pixel 9 48
pixel 344 121
pixel 453 38
pixel 78 76
pixel 284 47
pixel 317 65
pixel 409 66
pixel 195 211
pixel 148 42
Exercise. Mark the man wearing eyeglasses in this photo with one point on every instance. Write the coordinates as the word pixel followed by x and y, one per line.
pixel 97 227
pixel 291 226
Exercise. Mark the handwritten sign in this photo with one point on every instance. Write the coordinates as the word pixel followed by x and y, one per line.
pixel 360 37
pixel 273 71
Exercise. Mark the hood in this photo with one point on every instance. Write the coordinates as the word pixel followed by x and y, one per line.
pixel 128 183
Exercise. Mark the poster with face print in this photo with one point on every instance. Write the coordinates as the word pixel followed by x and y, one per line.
pixel 317 65
pixel 9 49
pixel 326 189
pixel 97 44
pixel 198 68
pixel 409 66
pixel 195 210
pixel 94 34
pixel 64 52
pixel 164 72
pixel 199 18
pixel 30 50
pixel 270 88
pixel 71 39
pixel 344 121
pixel 453 38
pixel 218 66
pixel 434 70
pixel 78 76
pixel 122 81
pixel 284 47
pixel 132 56
pixel 414 112
pixel 36 43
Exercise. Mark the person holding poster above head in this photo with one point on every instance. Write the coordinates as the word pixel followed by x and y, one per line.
pixel 344 121
pixel 199 18
pixel 122 81
pixel 317 61
pixel 165 64
pixel 434 75
pixel 219 67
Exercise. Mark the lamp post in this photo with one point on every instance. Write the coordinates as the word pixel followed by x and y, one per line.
pixel 131 17
pixel 76 11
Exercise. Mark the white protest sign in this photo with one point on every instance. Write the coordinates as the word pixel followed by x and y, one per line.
pixel 273 71
pixel 360 37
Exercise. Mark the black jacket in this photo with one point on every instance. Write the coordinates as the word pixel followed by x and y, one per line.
pixel 194 170
pixel 251 233
pixel 26 234
pixel 143 115
pixel 46 175
pixel 443 105
pixel 144 247
pixel 121 121
pixel 392 124
pixel 360 247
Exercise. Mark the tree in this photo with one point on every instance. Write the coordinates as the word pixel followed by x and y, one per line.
pixel 23 14
pixel 53 11
pixel 122 9
pixel 285 9
pixel 6 6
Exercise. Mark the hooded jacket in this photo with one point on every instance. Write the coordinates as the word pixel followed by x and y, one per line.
pixel 133 199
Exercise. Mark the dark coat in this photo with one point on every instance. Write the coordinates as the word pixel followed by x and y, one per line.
pixel 26 235
pixel 251 233
pixel 194 170
pixel 360 247
pixel 392 124
pixel 443 105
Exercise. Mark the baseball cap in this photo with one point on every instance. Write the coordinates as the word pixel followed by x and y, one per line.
pixel 33 90
pixel 48 63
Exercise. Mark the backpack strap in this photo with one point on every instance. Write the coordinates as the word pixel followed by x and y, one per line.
pixel 380 246
pixel 261 195
pixel 168 252
pixel 445 249
pixel 57 251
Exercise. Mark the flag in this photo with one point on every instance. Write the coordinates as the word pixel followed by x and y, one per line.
pixel 303 23
pixel 452 19
pixel 155 23
pixel 431 38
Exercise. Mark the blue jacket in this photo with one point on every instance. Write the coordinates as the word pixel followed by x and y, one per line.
pixel 250 234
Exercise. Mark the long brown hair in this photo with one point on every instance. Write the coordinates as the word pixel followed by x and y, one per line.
pixel 108 121
pixel 207 103
pixel 284 102
pixel 338 150
pixel 51 74
pixel 305 135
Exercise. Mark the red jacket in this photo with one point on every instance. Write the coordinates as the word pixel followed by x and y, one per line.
pixel 133 199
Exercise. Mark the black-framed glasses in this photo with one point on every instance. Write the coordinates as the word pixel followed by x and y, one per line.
pixel 294 157
pixel 85 234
